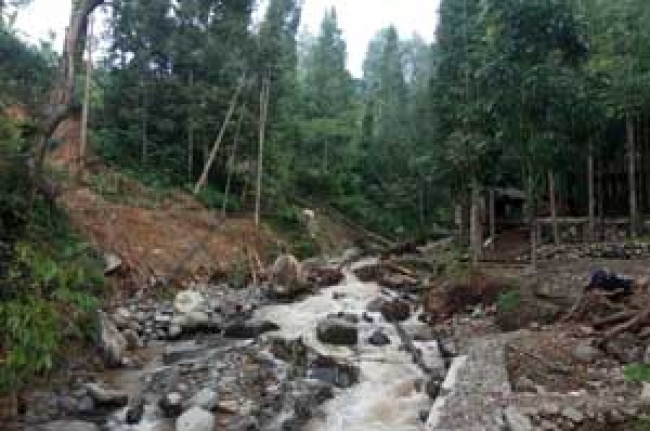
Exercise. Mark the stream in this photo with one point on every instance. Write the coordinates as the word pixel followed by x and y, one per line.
pixel 268 368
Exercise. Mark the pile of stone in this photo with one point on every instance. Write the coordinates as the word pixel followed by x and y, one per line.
pixel 552 416
pixel 614 251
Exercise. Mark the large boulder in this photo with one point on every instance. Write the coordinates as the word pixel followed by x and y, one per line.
pixel 195 419
pixel 338 331
pixel 111 342
pixel 286 276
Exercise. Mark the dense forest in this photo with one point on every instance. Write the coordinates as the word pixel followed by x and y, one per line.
pixel 545 96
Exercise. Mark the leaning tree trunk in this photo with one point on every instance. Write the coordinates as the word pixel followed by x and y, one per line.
pixel 631 159
pixel 61 103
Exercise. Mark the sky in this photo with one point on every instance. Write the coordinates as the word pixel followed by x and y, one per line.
pixel 359 19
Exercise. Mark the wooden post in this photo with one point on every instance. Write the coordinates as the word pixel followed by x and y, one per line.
pixel 592 190
pixel 215 148
pixel 264 105
pixel 83 144
pixel 631 159
pixel 553 205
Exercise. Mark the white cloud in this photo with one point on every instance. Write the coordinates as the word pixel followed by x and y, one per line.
pixel 43 17
pixel 362 19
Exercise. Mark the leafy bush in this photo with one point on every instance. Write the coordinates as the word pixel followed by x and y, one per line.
pixel 508 301
pixel 214 199
pixel 48 293
pixel 637 372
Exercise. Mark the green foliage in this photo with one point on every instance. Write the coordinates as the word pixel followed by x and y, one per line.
pixel 637 372
pixel 214 199
pixel 508 301
pixel 48 294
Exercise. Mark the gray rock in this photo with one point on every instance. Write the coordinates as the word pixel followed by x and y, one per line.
pixel 378 338
pixel 375 305
pixel 573 414
pixel 646 355
pixel 188 301
pixel 516 420
pixel 121 317
pixel 195 419
pixel 112 343
pixel 106 397
pixel 337 331
pixel 585 352
pixel 550 409
pixel 242 329
pixel 186 351
pixel 68 426
pixel 396 310
pixel 133 341
pixel 112 263
pixel 85 405
pixel 135 411
pixel 206 398
pixel 171 405
pixel 175 331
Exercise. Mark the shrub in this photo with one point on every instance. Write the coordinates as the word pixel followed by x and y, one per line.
pixel 637 372
pixel 508 301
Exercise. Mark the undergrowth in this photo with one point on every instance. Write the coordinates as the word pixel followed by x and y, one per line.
pixel 49 291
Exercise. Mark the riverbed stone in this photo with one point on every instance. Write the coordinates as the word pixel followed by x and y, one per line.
pixel 107 397
pixel 112 342
pixel 64 425
pixel 171 404
pixel 378 339
pixel 573 414
pixel 516 420
pixel 195 419
pixel 243 329
pixel 188 301
pixel 396 310
pixel 334 330
pixel 206 399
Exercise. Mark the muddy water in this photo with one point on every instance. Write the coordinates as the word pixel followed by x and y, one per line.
pixel 385 397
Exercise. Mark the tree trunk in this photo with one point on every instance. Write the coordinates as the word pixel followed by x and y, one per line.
pixel 86 105
pixel 190 135
pixel 264 105
pixel 631 159
pixel 61 102
pixel 591 192
pixel 475 222
pixel 215 149
pixel 532 219
pixel 231 163
pixel 553 205
pixel 144 126
pixel 493 221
